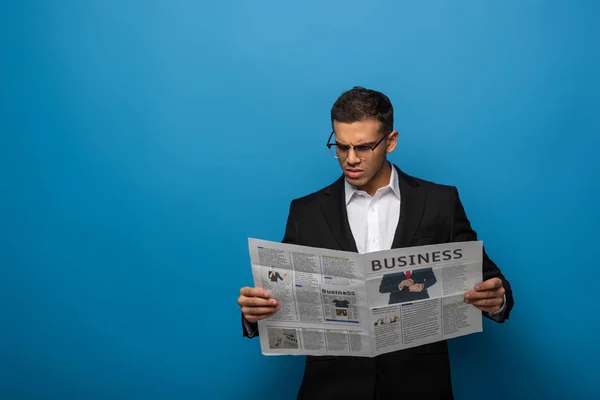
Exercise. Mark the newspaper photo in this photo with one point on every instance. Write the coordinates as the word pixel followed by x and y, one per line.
pixel 344 303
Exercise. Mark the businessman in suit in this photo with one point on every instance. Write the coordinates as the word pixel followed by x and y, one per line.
pixel 376 206
pixel 274 275
pixel 407 286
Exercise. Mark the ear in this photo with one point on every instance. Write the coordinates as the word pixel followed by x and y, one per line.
pixel 392 141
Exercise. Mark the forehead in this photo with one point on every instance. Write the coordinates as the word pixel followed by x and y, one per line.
pixel 366 131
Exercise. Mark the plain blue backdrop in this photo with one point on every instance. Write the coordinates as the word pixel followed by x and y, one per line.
pixel 142 143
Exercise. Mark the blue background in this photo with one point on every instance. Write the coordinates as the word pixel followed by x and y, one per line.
pixel 143 142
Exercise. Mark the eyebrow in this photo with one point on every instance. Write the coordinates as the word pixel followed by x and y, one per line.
pixel 360 144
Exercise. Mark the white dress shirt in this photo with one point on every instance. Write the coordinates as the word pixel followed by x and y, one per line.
pixel 373 220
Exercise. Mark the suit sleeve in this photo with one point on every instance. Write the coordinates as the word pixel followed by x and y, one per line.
pixel 461 231
pixel 291 228
pixel 389 283
pixel 250 329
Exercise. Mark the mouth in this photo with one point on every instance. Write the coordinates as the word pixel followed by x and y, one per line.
pixel 354 173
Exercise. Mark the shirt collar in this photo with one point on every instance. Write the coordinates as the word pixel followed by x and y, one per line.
pixel 351 190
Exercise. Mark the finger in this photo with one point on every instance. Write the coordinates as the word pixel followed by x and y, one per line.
pixel 489 309
pixel 486 302
pixel 493 283
pixel 254 318
pixel 247 311
pixel 254 292
pixel 256 302
pixel 485 295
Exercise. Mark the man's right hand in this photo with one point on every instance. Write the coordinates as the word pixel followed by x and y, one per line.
pixel 257 304
pixel 406 283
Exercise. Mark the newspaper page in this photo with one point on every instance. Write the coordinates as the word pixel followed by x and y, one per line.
pixel 415 294
pixel 344 303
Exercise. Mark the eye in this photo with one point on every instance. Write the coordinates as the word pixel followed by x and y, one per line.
pixel 342 147
pixel 363 148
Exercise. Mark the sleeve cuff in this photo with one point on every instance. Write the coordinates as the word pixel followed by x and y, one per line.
pixel 496 314
pixel 250 327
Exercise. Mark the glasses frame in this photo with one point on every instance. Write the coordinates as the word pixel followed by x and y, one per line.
pixel 373 147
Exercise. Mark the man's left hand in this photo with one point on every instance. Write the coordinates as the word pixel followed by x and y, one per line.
pixel 488 296
pixel 417 287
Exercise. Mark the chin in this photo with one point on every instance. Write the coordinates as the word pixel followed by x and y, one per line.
pixel 357 182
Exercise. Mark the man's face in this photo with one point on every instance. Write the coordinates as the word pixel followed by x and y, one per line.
pixel 360 171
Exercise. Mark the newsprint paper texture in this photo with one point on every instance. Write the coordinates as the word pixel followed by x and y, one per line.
pixel 344 303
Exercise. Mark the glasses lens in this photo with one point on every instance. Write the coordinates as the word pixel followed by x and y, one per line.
pixel 363 152
pixel 333 149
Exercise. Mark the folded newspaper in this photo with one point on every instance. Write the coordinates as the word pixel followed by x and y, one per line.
pixel 344 303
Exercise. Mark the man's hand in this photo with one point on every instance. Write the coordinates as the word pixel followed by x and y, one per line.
pixel 417 287
pixel 406 283
pixel 488 296
pixel 257 304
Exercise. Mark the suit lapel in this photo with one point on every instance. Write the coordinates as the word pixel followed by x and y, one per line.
pixel 412 205
pixel 333 205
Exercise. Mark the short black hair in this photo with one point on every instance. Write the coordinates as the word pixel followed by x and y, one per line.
pixel 358 104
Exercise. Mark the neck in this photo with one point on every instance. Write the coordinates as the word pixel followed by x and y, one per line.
pixel 381 179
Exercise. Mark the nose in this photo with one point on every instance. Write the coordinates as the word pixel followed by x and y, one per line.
pixel 352 158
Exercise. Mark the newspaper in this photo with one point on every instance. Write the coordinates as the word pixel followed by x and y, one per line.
pixel 344 303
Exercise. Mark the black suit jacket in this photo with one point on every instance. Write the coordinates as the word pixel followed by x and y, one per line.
pixel 274 276
pixel 429 214
pixel 389 284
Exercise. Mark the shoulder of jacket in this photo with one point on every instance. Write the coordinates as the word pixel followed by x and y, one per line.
pixel 431 186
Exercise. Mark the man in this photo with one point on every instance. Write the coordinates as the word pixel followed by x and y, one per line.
pixel 376 206
pixel 408 285
pixel 274 275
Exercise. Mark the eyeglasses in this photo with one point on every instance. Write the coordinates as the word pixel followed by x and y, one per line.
pixel 362 151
